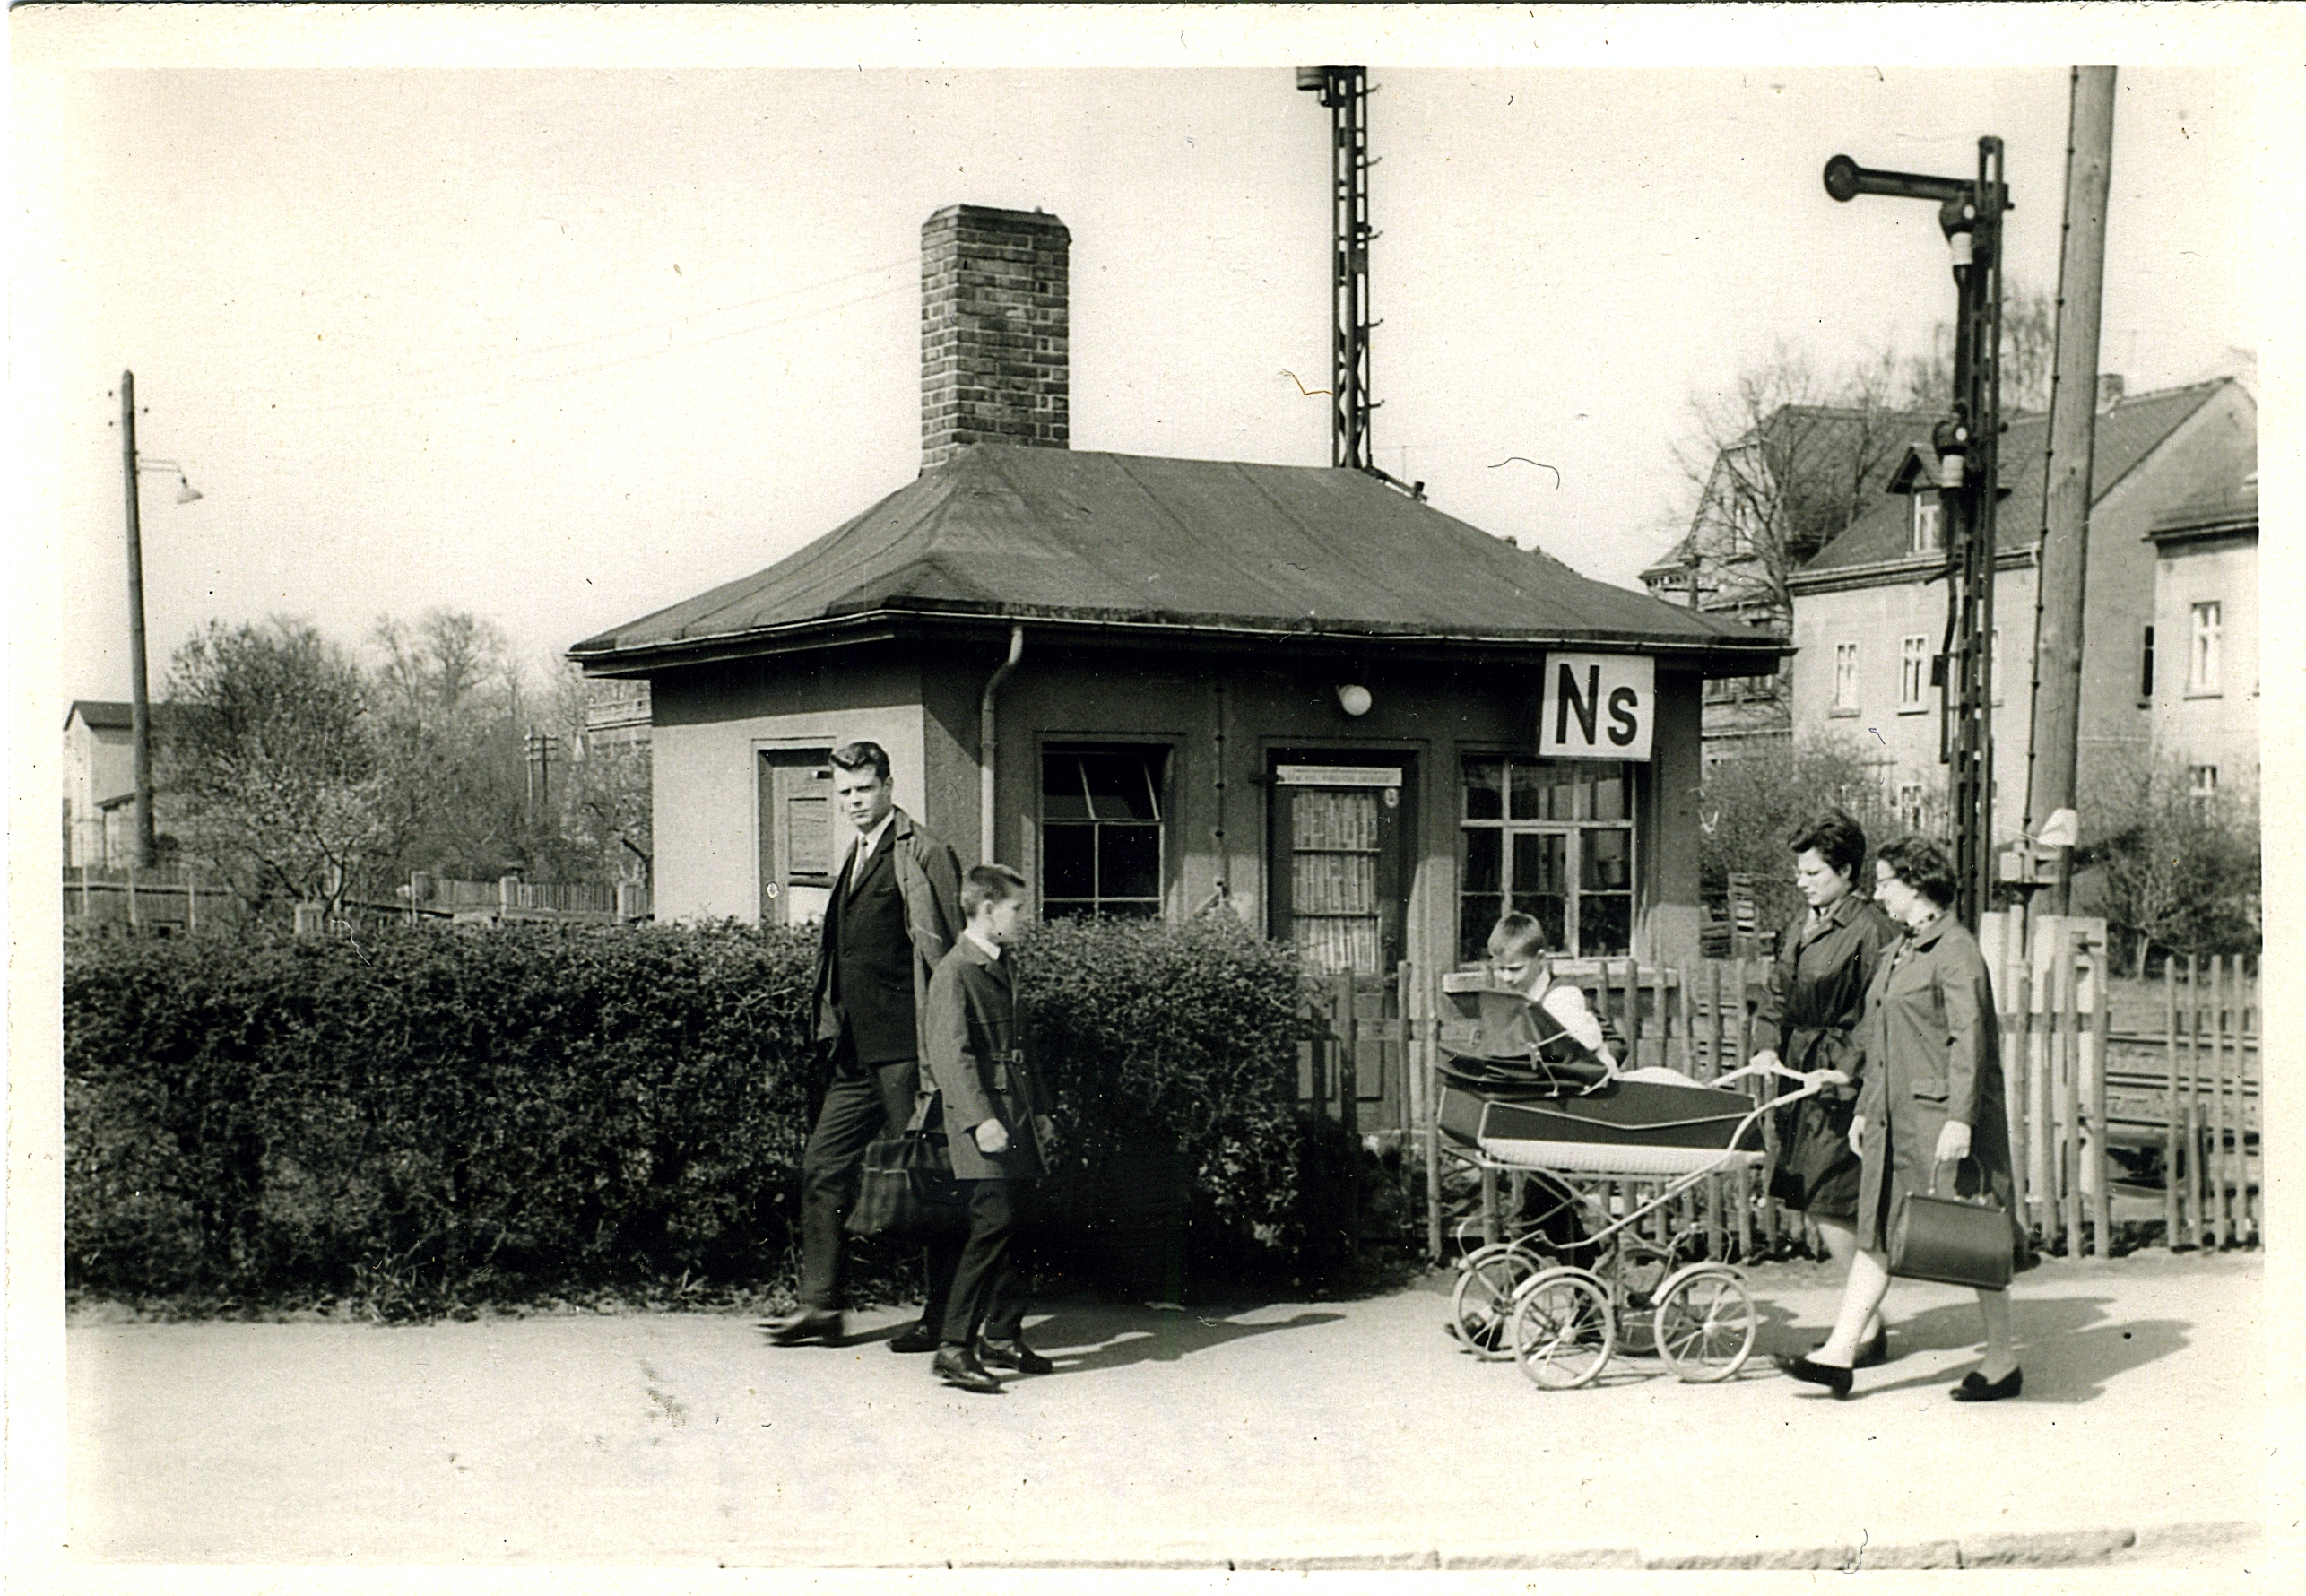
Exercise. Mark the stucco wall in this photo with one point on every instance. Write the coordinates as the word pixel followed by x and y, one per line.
pixel 711 723
pixel 2217 729
pixel 1224 718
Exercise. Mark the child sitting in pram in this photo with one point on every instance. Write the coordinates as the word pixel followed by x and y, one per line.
pixel 1552 1019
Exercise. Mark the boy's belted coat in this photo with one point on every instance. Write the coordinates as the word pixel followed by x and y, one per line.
pixel 970 1055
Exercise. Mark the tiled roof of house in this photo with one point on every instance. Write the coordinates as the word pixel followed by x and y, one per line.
pixel 2126 432
pixel 1064 535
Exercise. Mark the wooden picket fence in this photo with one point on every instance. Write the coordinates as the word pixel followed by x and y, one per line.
pixel 2133 1123
pixel 163 899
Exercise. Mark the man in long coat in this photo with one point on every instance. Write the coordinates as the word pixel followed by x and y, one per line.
pixel 894 911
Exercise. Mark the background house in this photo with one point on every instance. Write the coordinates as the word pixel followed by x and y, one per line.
pixel 2200 669
pixel 99 782
pixel 1773 497
pixel 1869 609
pixel 1159 686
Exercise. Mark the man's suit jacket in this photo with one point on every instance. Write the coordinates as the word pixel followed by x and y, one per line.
pixel 929 882
pixel 970 1055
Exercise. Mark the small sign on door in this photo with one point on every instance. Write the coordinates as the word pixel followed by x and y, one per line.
pixel 1596 706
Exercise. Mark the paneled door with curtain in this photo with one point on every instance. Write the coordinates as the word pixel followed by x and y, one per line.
pixel 800 837
pixel 1338 876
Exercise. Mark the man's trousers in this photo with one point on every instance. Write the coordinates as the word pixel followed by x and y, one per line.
pixel 861 1102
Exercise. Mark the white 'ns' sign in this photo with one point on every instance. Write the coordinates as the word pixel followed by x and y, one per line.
pixel 1596 706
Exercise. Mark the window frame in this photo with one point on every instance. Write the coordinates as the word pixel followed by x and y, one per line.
pixel 1575 829
pixel 1845 672
pixel 1913 672
pixel 1152 907
pixel 2206 648
pixel 1916 543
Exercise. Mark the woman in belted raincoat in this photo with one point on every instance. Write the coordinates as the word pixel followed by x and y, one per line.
pixel 1930 1104
pixel 1808 1021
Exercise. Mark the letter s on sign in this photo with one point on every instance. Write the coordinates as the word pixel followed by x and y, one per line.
pixel 1625 725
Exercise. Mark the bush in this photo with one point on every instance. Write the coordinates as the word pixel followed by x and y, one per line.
pixel 1753 804
pixel 1157 1035
pixel 421 1118
pixel 418 1116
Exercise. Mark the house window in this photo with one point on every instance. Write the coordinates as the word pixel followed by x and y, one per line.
pixel 2146 667
pixel 1553 838
pixel 1845 679
pixel 1913 672
pixel 1101 843
pixel 1928 525
pixel 1910 805
pixel 2202 658
pixel 2202 785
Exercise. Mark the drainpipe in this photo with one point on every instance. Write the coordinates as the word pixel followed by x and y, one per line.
pixel 985 743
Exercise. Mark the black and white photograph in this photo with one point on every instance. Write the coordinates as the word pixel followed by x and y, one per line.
pixel 858 789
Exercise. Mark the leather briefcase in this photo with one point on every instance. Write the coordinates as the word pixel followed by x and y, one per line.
pixel 1955 1241
pixel 905 1182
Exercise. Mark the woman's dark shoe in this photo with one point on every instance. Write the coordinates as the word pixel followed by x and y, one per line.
pixel 1872 1355
pixel 1976 1388
pixel 1832 1377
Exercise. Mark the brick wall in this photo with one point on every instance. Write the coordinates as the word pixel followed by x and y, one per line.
pixel 992 330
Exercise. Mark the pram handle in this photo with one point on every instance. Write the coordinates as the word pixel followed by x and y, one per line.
pixel 1813 1080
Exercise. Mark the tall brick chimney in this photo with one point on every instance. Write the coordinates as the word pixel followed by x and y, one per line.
pixel 992 330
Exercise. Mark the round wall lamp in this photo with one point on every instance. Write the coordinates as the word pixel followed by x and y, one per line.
pixel 1353 698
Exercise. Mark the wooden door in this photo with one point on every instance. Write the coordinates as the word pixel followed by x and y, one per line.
pixel 798 838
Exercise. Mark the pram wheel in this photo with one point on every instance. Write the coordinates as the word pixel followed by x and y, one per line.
pixel 1705 1324
pixel 1563 1331
pixel 1482 1306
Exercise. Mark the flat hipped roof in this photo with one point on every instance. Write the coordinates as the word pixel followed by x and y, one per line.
pixel 1124 546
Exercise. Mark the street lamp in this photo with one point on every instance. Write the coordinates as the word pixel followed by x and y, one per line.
pixel 140 706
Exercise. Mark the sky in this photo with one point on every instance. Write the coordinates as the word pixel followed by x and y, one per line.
pixel 562 345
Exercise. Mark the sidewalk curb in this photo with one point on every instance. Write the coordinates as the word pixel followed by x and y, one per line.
pixel 2040 1550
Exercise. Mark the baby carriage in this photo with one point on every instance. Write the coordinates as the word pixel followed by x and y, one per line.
pixel 1576 1283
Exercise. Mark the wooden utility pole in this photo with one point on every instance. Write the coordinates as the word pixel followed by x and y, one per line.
pixel 2053 752
pixel 140 722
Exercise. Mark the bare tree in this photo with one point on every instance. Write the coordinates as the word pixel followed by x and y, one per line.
pixel 1778 464
pixel 270 762
pixel 2029 355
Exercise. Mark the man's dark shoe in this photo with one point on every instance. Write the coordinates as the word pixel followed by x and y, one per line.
pixel 810 1324
pixel 919 1335
pixel 957 1365
pixel 1834 1378
pixel 1013 1354
pixel 1976 1388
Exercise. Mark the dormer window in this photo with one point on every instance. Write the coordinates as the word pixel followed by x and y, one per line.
pixel 1928 524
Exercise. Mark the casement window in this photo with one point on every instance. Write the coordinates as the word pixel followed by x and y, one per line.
pixel 1845 679
pixel 1101 830
pixel 1927 526
pixel 1911 806
pixel 1553 838
pixel 1913 672
pixel 2202 783
pixel 2202 662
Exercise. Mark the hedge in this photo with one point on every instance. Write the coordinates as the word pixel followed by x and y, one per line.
pixel 427 1116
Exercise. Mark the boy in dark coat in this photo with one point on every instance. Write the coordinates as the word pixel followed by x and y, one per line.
pixel 993 1124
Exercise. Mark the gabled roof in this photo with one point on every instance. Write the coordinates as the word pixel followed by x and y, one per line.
pixel 2126 432
pixel 102 715
pixel 1069 536
pixel 1836 434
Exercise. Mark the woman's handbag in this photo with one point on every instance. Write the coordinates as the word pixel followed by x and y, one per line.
pixel 904 1183
pixel 1955 1241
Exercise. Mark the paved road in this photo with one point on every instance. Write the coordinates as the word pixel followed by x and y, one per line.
pixel 1281 1434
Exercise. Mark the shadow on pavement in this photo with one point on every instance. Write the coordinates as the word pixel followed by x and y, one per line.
pixel 1082 1337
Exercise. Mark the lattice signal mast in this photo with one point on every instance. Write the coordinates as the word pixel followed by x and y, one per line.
pixel 1345 89
pixel 1968 446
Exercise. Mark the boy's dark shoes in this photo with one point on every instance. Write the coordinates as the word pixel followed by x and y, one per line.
pixel 810 1324
pixel 957 1365
pixel 1013 1354
pixel 919 1335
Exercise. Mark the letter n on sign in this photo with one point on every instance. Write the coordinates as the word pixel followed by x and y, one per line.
pixel 1596 706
